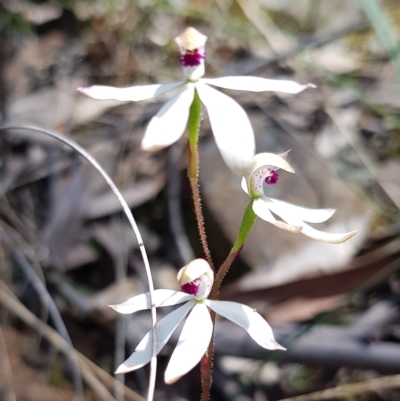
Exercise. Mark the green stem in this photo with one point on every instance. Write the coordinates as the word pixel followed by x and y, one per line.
pixel 194 128
pixel 247 224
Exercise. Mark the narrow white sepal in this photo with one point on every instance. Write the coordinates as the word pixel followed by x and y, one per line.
pixel 323 236
pixel 271 160
pixel 165 327
pixel 231 127
pixel 160 298
pixel 130 94
pixel 169 124
pixel 257 327
pixel 287 212
pixel 298 213
pixel 261 208
pixel 257 84
pixel 192 344
pixel 243 184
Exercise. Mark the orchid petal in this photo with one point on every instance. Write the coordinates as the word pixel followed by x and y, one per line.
pixel 331 238
pixel 257 84
pixel 231 128
pixel 257 327
pixel 160 298
pixel 287 212
pixel 298 213
pixel 244 185
pixel 261 209
pixel 169 124
pixel 130 94
pixel 192 344
pixel 165 327
pixel 271 160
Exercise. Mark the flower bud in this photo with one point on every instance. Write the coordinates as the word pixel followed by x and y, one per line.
pixel 196 278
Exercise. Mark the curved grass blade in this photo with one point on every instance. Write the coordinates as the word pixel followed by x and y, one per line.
pixel 79 149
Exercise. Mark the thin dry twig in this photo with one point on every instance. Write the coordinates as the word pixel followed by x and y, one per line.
pixel 352 389
pixel 8 300
pixel 7 390
pixel 355 142
pixel 312 42
pixel 15 307
pixel 275 38
pixel 55 315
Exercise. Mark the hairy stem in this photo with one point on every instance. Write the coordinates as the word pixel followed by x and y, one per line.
pixel 246 226
pixel 206 366
pixel 194 185
pixel 193 172
pixel 207 360
pixel 223 271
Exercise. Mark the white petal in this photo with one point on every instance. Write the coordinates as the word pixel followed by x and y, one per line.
pixel 271 160
pixel 192 344
pixel 231 128
pixel 160 298
pixel 326 237
pixel 298 213
pixel 169 124
pixel 261 209
pixel 257 327
pixel 257 84
pixel 244 185
pixel 130 94
pixel 165 327
pixel 288 213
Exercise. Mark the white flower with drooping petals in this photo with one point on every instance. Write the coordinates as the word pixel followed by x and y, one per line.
pixel 229 122
pixel 196 280
pixel 294 217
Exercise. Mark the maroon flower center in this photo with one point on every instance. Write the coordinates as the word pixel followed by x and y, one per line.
pixel 192 58
pixel 191 288
pixel 272 179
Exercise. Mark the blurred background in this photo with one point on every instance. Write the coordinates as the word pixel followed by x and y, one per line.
pixel 67 250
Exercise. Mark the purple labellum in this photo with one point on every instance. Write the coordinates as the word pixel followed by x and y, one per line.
pixel 191 58
pixel 272 179
pixel 191 288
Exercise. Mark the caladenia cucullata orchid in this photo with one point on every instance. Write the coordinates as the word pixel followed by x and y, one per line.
pixel 229 122
pixel 195 280
pixel 264 172
pixel 295 218
pixel 234 138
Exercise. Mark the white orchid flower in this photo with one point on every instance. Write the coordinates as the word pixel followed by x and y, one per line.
pixel 264 171
pixel 229 122
pixel 196 280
